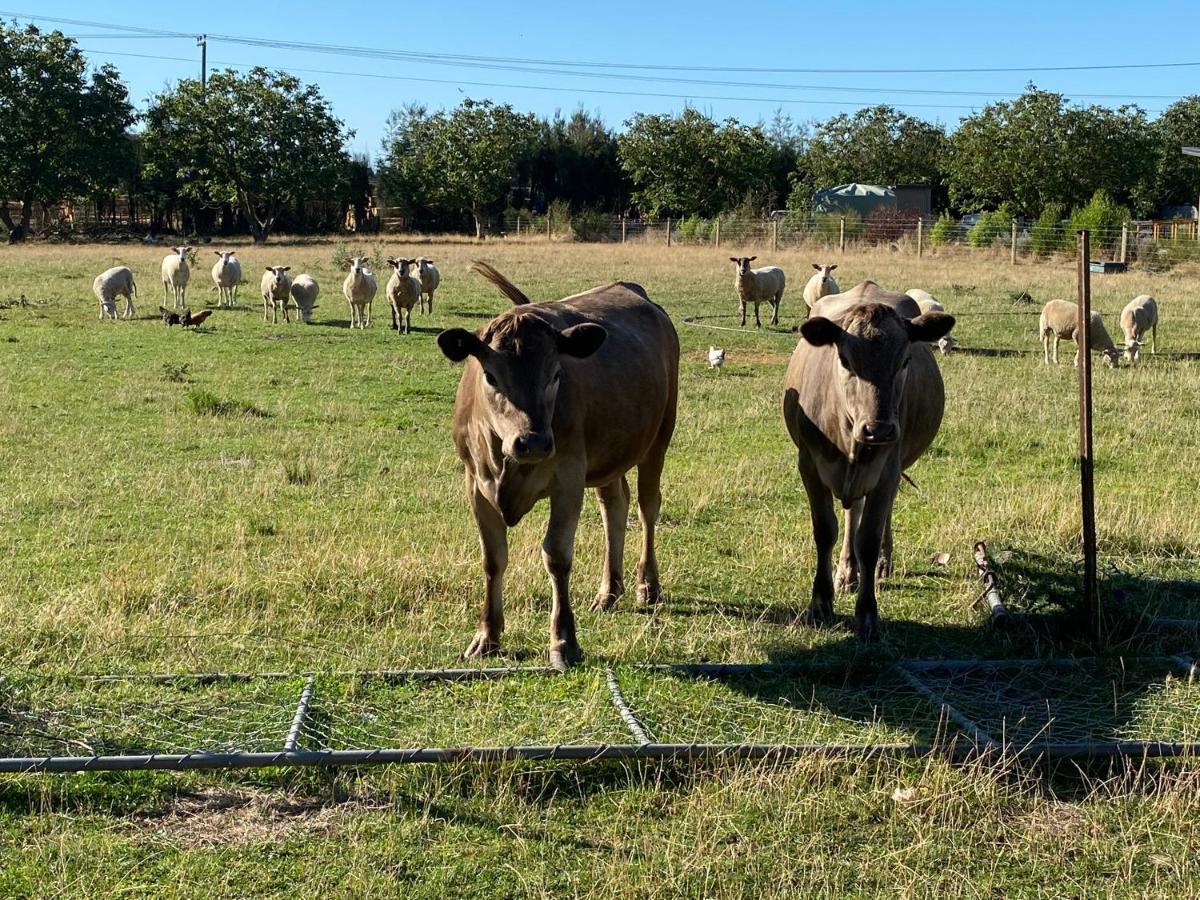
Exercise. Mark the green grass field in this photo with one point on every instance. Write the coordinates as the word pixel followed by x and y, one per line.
pixel 287 498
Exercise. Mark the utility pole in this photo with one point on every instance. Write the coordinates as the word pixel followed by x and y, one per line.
pixel 202 43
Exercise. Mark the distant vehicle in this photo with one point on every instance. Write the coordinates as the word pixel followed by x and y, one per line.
pixel 970 220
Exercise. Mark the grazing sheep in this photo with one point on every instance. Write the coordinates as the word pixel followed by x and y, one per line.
pixel 403 292
pixel 925 300
pixel 716 357
pixel 429 277
pixel 227 273
pixel 276 287
pixel 821 284
pixel 757 286
pixel 1058 321
pixel 175 275
pixel 304 294
pixel 111 284
pixel 359 289
pixel 1139 316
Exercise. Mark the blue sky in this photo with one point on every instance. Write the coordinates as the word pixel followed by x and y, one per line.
pixel 864 35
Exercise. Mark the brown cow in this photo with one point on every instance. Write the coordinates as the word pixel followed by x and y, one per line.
pixel 863 399
pixel 557 397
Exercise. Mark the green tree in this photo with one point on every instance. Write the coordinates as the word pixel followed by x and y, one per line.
pixel 877 145
pixel 573 159
pixel 1176 178
pixel 465 160
pixel 688 164
pixel 1036 150
pixel 263 141
pixel 62 131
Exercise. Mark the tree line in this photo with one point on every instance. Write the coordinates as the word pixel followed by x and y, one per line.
pixel 243 152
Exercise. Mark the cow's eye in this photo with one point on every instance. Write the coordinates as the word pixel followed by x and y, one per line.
pixel 489 378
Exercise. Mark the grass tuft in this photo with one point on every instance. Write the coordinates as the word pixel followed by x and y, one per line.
pixel 205 403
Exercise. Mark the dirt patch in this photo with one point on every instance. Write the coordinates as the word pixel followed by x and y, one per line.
pixel 748 357
pixel 221 817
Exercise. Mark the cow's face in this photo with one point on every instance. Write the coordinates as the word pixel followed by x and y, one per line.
pixel 519 360
pixel 874 346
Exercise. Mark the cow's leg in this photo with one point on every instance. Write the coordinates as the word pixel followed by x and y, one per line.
pixel 742 310
pixel 493 542
pixel 825 529
pixel 614 512
pixel 558 551
pixel 877 512
pixel 649 483
pixel 846 578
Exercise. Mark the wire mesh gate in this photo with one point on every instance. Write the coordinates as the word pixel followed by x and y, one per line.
pixel 1023 709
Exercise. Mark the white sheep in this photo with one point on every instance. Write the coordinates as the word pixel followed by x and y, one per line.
pixel 175 275
pixel 227 274
pixel 359 289
pixel 403 292
pixel 429 277
pixel 276 287
pixel 925 300
pixel 111 284
pixel 304 294
pixel 757 286
pixel 1058 322
pixel 821 284
pixel 1139 316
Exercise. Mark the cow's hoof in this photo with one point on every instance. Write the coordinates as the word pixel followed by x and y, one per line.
pixel 817 616
pixel 845 579
pixel 867 630
pixel 605 601
pixel 483 644
pixel 649 594
pixel 563 657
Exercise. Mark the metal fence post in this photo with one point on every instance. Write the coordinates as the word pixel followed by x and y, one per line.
pixel 1086 458
pixel 1124 243
pixel 774 235
pixel 622 228
pixel 842 235
pixel 920 234
pixel 717 232
pixel 1012 256
pixel 668 232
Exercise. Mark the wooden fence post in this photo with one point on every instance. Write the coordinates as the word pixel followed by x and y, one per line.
pixel 1013 246
pixel 842 235
pixel 668 232
pixel 549 220
pixel 622 228
pixel 920 235
pixel 717 232
pixel 1124 243
pixel 774 235
pixel 1086 456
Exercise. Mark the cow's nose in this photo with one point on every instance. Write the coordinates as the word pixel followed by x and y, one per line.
pixel 879 432
pixel 534 446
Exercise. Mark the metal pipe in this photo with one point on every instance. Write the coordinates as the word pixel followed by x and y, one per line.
pixel 991 585
pixel 980 737
pixel 627 715
pixel 590 753
pixel 292 741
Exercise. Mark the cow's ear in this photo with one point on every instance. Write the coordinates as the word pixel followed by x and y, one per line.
pixel 820 331
pixel 581 341
pixel 458 343
pixel 930 327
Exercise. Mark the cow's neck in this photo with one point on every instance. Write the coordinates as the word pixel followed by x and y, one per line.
pixel 861 471
pixel 510 487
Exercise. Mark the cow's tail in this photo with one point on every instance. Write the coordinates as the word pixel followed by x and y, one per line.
pixel 507 288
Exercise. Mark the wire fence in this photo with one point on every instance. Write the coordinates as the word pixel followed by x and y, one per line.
pixel 1149 243
pixel 1009 709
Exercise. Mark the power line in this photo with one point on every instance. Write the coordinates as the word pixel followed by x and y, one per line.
pixel 412 55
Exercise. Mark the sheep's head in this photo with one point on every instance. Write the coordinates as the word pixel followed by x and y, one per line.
pixel 742 263
pixel 1112 356
pixel 279 279
pixel 183 252
pixel 824 269
pixel 357 264
pixel 1132 348
pixel 226 255
pixel 402 265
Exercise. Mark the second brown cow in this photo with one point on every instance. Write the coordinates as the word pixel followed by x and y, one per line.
pixel 557 397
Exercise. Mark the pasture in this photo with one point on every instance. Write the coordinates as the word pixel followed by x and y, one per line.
pixel 255 497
